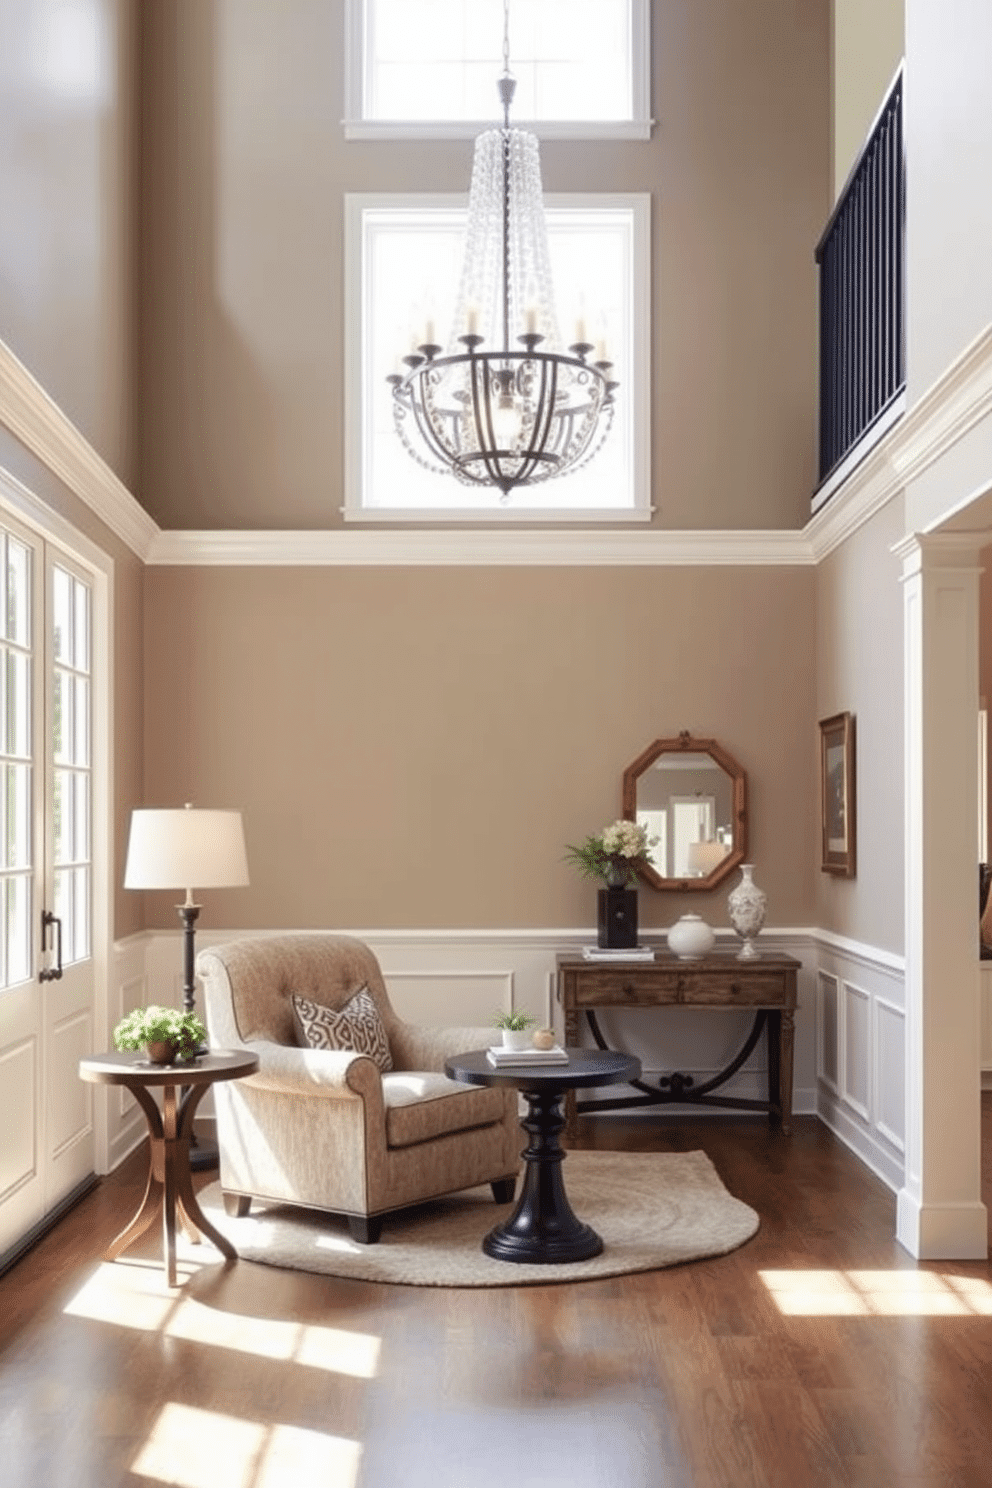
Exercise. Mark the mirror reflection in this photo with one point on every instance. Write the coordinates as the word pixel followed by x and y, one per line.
pixel 690 795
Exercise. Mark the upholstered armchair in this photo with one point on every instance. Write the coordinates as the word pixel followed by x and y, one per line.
pixel 328 1128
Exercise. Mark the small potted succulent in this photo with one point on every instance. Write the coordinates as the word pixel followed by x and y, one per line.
pixel 164 1033
pixel 515 1029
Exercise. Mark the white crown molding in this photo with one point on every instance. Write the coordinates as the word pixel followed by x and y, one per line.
pixel 519 547
pixel 956 402
pixel 41 426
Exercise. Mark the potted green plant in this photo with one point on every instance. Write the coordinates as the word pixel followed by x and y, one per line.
pixel 514 1027
pixel 164 1033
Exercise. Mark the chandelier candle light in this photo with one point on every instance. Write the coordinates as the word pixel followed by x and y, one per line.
pixel 504 406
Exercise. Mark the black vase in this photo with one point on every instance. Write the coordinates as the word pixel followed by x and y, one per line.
pixel 617 919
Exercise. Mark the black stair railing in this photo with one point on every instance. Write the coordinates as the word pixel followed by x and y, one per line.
pixel 861 258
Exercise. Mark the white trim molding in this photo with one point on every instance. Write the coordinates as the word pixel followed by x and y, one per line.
pixel 41 426
pixel 411 547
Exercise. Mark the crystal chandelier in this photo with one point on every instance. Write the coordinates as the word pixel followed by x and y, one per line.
pixel 503 405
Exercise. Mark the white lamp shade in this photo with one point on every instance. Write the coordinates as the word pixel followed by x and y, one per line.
pixel 186 849
pixel 703 857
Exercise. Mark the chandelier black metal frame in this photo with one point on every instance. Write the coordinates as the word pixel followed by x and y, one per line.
pixel 520 411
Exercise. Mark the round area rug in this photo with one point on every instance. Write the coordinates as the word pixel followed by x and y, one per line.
pixel 652 1209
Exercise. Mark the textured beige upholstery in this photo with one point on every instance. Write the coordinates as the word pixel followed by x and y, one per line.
pixel 324 1128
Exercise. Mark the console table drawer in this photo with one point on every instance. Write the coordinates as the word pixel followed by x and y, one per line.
pixel 726 989
pixel 620 989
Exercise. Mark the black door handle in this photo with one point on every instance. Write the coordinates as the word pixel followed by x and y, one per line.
pixel 51 973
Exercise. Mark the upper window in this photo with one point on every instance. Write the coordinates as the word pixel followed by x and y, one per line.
pixel 402 267
pixel 429 67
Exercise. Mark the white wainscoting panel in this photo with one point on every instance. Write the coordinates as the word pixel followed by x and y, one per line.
pixel 827 1043
pixel 857 1049
pixel 463 977
pixel 861 1056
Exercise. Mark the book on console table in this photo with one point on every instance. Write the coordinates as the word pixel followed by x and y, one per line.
pixel 499 1056
pixel 633 953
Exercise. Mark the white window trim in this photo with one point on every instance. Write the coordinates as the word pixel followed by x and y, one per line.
pixel 355 205
pixel 357 127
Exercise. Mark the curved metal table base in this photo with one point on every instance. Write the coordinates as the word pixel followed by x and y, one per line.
pixel 682 1089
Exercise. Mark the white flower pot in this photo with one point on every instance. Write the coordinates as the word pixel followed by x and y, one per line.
pixel 516 1038
pixel 690 937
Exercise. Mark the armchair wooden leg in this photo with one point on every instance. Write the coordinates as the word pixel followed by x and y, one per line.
pixel 365 1228
pixel 504 1189
pixel 236 1205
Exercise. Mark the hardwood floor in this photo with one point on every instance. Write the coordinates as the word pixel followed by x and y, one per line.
pixel 866 1370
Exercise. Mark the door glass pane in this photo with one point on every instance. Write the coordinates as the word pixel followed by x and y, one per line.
pixel 62 614
pixel 81 627
pixel 62 716
pixel 17 816
pixel 18 597
pixel 17 698
pixel 81 721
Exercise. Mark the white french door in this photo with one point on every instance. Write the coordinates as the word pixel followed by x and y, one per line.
pixel 46 877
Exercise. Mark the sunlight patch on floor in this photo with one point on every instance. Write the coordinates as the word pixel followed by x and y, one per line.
pixel 129 1295
pixel 878 1294
pixel 333 1349
pixel 138 1296
pixel 192 1448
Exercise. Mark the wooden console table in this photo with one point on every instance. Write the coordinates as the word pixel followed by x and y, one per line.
pixel 765 985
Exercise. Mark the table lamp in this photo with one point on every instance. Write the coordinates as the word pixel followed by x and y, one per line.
pixel 180 850
pixel 177 850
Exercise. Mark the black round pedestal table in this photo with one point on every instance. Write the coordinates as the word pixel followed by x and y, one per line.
pixel 543 1229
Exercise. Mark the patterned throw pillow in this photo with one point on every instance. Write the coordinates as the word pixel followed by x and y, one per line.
pixel 357 1026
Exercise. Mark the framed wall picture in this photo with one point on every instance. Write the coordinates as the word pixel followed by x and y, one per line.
pixel 838 814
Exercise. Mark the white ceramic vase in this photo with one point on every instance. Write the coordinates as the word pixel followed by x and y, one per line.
pixel 747 904
pixel 690 937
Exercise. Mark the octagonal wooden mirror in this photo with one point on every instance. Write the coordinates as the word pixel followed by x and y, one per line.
pixel 692 796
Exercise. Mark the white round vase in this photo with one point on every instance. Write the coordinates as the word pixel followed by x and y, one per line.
pixel 690 937
pixel 747 904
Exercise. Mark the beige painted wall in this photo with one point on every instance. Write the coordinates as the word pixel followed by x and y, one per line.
pixel 245 166
pixel 868 45
pixel 859 669
pixel 68 142
pixel 415 747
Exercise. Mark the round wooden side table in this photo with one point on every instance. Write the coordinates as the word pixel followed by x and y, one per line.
pixel 169 1131
pixel 544 1228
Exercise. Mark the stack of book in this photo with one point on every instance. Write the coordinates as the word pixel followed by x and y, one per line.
pixel 499 1056
pixel 601 953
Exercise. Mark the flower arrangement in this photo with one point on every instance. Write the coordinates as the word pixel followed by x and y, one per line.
pixel 160 1025
pixel 614 854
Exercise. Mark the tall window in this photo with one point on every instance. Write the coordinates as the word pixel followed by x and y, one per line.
pixel 403 265
pixel 429 67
